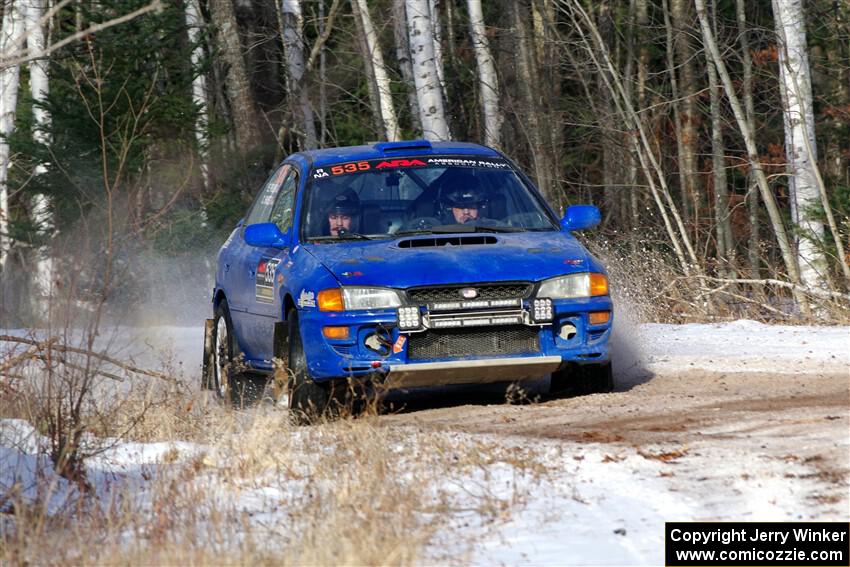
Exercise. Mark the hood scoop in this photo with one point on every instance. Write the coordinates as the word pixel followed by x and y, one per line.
pixel 476 240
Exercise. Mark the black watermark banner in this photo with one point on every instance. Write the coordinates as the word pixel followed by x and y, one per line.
pixel 763 544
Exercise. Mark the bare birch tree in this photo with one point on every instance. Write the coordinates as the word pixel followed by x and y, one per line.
pixel 293 44
pixel 437 39
pixel 429 93
pixel 41 214
pixel 800 146
pixel 10 37
pixel 488 82
pixel 377 71
pixel 194 24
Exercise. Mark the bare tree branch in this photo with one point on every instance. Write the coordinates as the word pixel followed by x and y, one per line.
pixel 65 348
pixel 22 56
pixel 322 39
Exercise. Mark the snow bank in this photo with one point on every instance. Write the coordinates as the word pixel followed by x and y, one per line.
pixel 746 346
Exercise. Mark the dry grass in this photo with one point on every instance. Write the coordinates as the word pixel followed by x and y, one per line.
pixel 249 487
pixel 652 286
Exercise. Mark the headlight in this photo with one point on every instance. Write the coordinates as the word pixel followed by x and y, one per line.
pixel 369 298
pixel 574 285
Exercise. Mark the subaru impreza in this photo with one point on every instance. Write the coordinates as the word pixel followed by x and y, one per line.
pixel 403 265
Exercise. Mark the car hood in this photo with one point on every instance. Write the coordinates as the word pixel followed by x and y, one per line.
pixel 525 256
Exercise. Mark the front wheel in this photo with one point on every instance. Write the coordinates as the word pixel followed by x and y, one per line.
pixel 309 401
pixel 229 380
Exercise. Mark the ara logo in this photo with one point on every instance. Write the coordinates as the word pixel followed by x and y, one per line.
pixel 400 163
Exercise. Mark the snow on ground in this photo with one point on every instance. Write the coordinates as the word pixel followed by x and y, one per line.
pixel 587 491
pixel 745 346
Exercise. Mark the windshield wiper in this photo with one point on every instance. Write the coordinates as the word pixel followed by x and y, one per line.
pixel 498 229
pixel 449 228
pixel 343 236
pixel 411 231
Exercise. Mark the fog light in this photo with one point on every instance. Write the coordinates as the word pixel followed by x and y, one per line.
pixel 335 332
pixel 600 317
pixel 542 309
pixel 568 331
pixel 408 318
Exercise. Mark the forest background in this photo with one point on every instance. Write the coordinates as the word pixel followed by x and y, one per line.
pixel 713 134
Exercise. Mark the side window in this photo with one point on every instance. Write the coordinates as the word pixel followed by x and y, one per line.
pixel 265 200
pixel 284 207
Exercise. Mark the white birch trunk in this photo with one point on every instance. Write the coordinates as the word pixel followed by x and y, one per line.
pixel 194 24
pixel 428 89
pixel 402 50
pixel 487 79
pixel 10 35
pixel 796 91
pixel 42 215
pixel 434 11
pixel 293 44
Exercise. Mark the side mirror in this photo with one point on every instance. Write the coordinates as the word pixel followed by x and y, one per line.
pixel 266 234
pixel 578 217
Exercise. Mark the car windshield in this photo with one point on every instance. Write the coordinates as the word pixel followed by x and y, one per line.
pixel 383 198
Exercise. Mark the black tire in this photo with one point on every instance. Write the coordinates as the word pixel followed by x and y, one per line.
pixel 583 379
pixel 309 401
pixel 227 378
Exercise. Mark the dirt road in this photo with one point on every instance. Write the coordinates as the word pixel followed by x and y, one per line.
pixel 723 435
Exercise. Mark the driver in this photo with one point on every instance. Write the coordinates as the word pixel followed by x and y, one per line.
pixel 343 213
pixel 464 202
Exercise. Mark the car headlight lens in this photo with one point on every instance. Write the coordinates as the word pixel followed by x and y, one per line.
pixel 370 298
pixel 574 285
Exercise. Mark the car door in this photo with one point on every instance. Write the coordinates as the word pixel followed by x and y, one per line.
pixel 244 261
pixel 267 266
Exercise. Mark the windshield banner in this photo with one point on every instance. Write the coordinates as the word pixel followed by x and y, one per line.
pixel 410 162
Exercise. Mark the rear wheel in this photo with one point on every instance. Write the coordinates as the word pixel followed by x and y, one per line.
pixel 583 379
pixel 309 401
pixel 229 380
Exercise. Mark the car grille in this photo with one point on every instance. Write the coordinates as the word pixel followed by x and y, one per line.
pixel 485 291
pixel 473 342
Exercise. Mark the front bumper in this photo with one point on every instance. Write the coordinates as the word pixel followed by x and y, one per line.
pixel 478 371
pixel 394 365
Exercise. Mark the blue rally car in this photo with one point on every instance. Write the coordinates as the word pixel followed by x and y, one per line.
pixel 403 265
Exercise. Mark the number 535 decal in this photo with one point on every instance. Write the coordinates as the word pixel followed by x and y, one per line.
pixel 350 167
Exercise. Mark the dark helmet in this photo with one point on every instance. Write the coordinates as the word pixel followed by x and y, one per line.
pixel 346 203
pixel 463 190
pixel 464 198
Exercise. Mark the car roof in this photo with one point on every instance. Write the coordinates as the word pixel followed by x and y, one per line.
pixel 378 150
